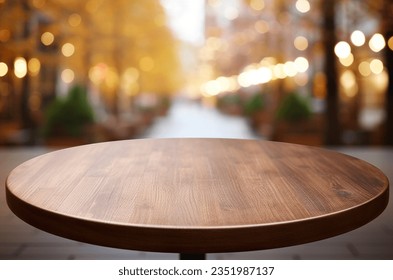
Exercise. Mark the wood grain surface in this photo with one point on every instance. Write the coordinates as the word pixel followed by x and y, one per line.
pixel 196 195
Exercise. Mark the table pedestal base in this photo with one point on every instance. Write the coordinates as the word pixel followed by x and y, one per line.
pixel 185 256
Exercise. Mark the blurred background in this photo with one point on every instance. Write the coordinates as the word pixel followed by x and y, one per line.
pixel 311 72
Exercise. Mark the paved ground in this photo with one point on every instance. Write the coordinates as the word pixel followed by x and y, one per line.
pixel 18 240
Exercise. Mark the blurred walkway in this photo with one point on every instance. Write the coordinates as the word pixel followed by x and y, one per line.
pixel 19 240
pixel 190 119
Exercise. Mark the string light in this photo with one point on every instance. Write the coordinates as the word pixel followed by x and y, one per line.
pixel 358 38
pixel 47 38
pixel 68 49
pixel 20 67
pixel 3 69
pixel 303 6
pixel 377 42
pixel 342 49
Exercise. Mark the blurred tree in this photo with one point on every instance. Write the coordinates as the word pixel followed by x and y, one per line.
pixel 333 128
pixel 387 29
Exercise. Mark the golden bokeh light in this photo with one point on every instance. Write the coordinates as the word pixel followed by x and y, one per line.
pixel 301 64
pixel 47 38
pixel 279 72
pixel 376 66
pixel 347 61
pixel 3 69
pixel 342 49
pixel 68 49
pixel 358 38
pixel 20 67
pixel 74 20
pixel 68 76
pixel 290 69
pixel 303 6
pixel 261 26
pixel 34 66
pixel 390 43
pixel 301 43
pixel 377 42
pixel 364 68
pixel 348 82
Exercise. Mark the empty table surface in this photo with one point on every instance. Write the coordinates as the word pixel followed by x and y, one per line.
pixel 196 195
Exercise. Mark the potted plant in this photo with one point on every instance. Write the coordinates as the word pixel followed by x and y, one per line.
pixel 230 103
pixel 67 119
pixel 295 121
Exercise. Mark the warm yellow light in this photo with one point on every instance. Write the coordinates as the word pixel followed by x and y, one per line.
pixel 257 5
pixel 244 80
pixel 358 38
pixel 347 61
pixel 74 20
pixel 301 64
pixel 390 43
pixel 211 88
pixel 231 13
pixel 3 69
pixel 34 66
pixel 146 64
pixel 20 67
pixel 278 71
pixel 97 73
pixel 68 49
pixel 342 49
pixel 376 66
pixel 261 26
pixel 67 76
pixel 364 68
pixel 265 75
pixel 47 38
pixel 348 82
pixel 290 69
pixel 301 43
pixel 377 42
pixel 303 6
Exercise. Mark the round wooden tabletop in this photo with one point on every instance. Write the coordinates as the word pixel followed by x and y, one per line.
pixel 196 195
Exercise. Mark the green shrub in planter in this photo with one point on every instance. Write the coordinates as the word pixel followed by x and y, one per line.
pixel 69 116
pixel 255 104
pixel 294 108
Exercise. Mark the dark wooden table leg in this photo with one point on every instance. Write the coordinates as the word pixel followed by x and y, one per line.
pixel 185 256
